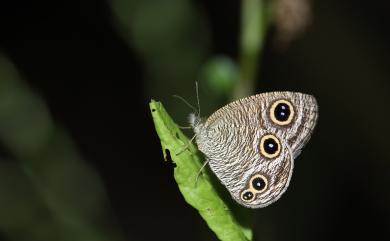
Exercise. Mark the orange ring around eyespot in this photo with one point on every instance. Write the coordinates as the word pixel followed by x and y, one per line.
pixel 246 190
pixel 272 112
pixel 263 152
pixel 253 189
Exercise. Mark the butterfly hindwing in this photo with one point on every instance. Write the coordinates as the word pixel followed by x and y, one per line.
pixel 251 143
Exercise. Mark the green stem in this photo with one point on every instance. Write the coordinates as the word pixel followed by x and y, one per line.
pixel 254 24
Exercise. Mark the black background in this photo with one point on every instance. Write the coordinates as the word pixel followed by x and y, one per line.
pixel 93 84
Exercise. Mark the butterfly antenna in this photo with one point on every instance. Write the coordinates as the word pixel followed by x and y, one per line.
pixel 197 97
pixel 186 102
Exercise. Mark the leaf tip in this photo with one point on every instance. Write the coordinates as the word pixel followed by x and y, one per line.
pixel 154 105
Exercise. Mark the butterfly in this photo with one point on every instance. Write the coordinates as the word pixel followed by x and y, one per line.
pixel 251 144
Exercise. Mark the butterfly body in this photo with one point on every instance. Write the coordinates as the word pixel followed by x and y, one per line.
pixel 250 144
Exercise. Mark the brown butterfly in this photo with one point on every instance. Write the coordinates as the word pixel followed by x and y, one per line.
pixel 250 144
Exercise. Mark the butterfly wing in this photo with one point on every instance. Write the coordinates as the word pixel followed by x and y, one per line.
pixel 251 143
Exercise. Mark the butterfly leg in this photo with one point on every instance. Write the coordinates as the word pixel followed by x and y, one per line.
pixel 184 127
pixel 186 146
pixel 200 171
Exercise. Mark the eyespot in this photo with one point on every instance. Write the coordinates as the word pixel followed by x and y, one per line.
pixel 258 183
pixel 247 196
pixel 269 146
pixel 282 112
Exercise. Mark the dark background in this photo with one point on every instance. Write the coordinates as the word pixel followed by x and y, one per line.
pixel 96 82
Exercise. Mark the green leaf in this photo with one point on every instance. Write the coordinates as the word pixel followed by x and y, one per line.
pixel 203 195
pixel 221 75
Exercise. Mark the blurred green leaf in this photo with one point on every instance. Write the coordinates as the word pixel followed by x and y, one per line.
pixel 171 38
pixel 220 74
pixel 202 195
pixel 51 193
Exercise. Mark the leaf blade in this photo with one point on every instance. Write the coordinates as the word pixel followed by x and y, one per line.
pixel 202 195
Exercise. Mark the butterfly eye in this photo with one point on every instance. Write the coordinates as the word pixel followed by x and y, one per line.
pixel 269 146
pixel 247 196
pixel 282 112
pixel 259 183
